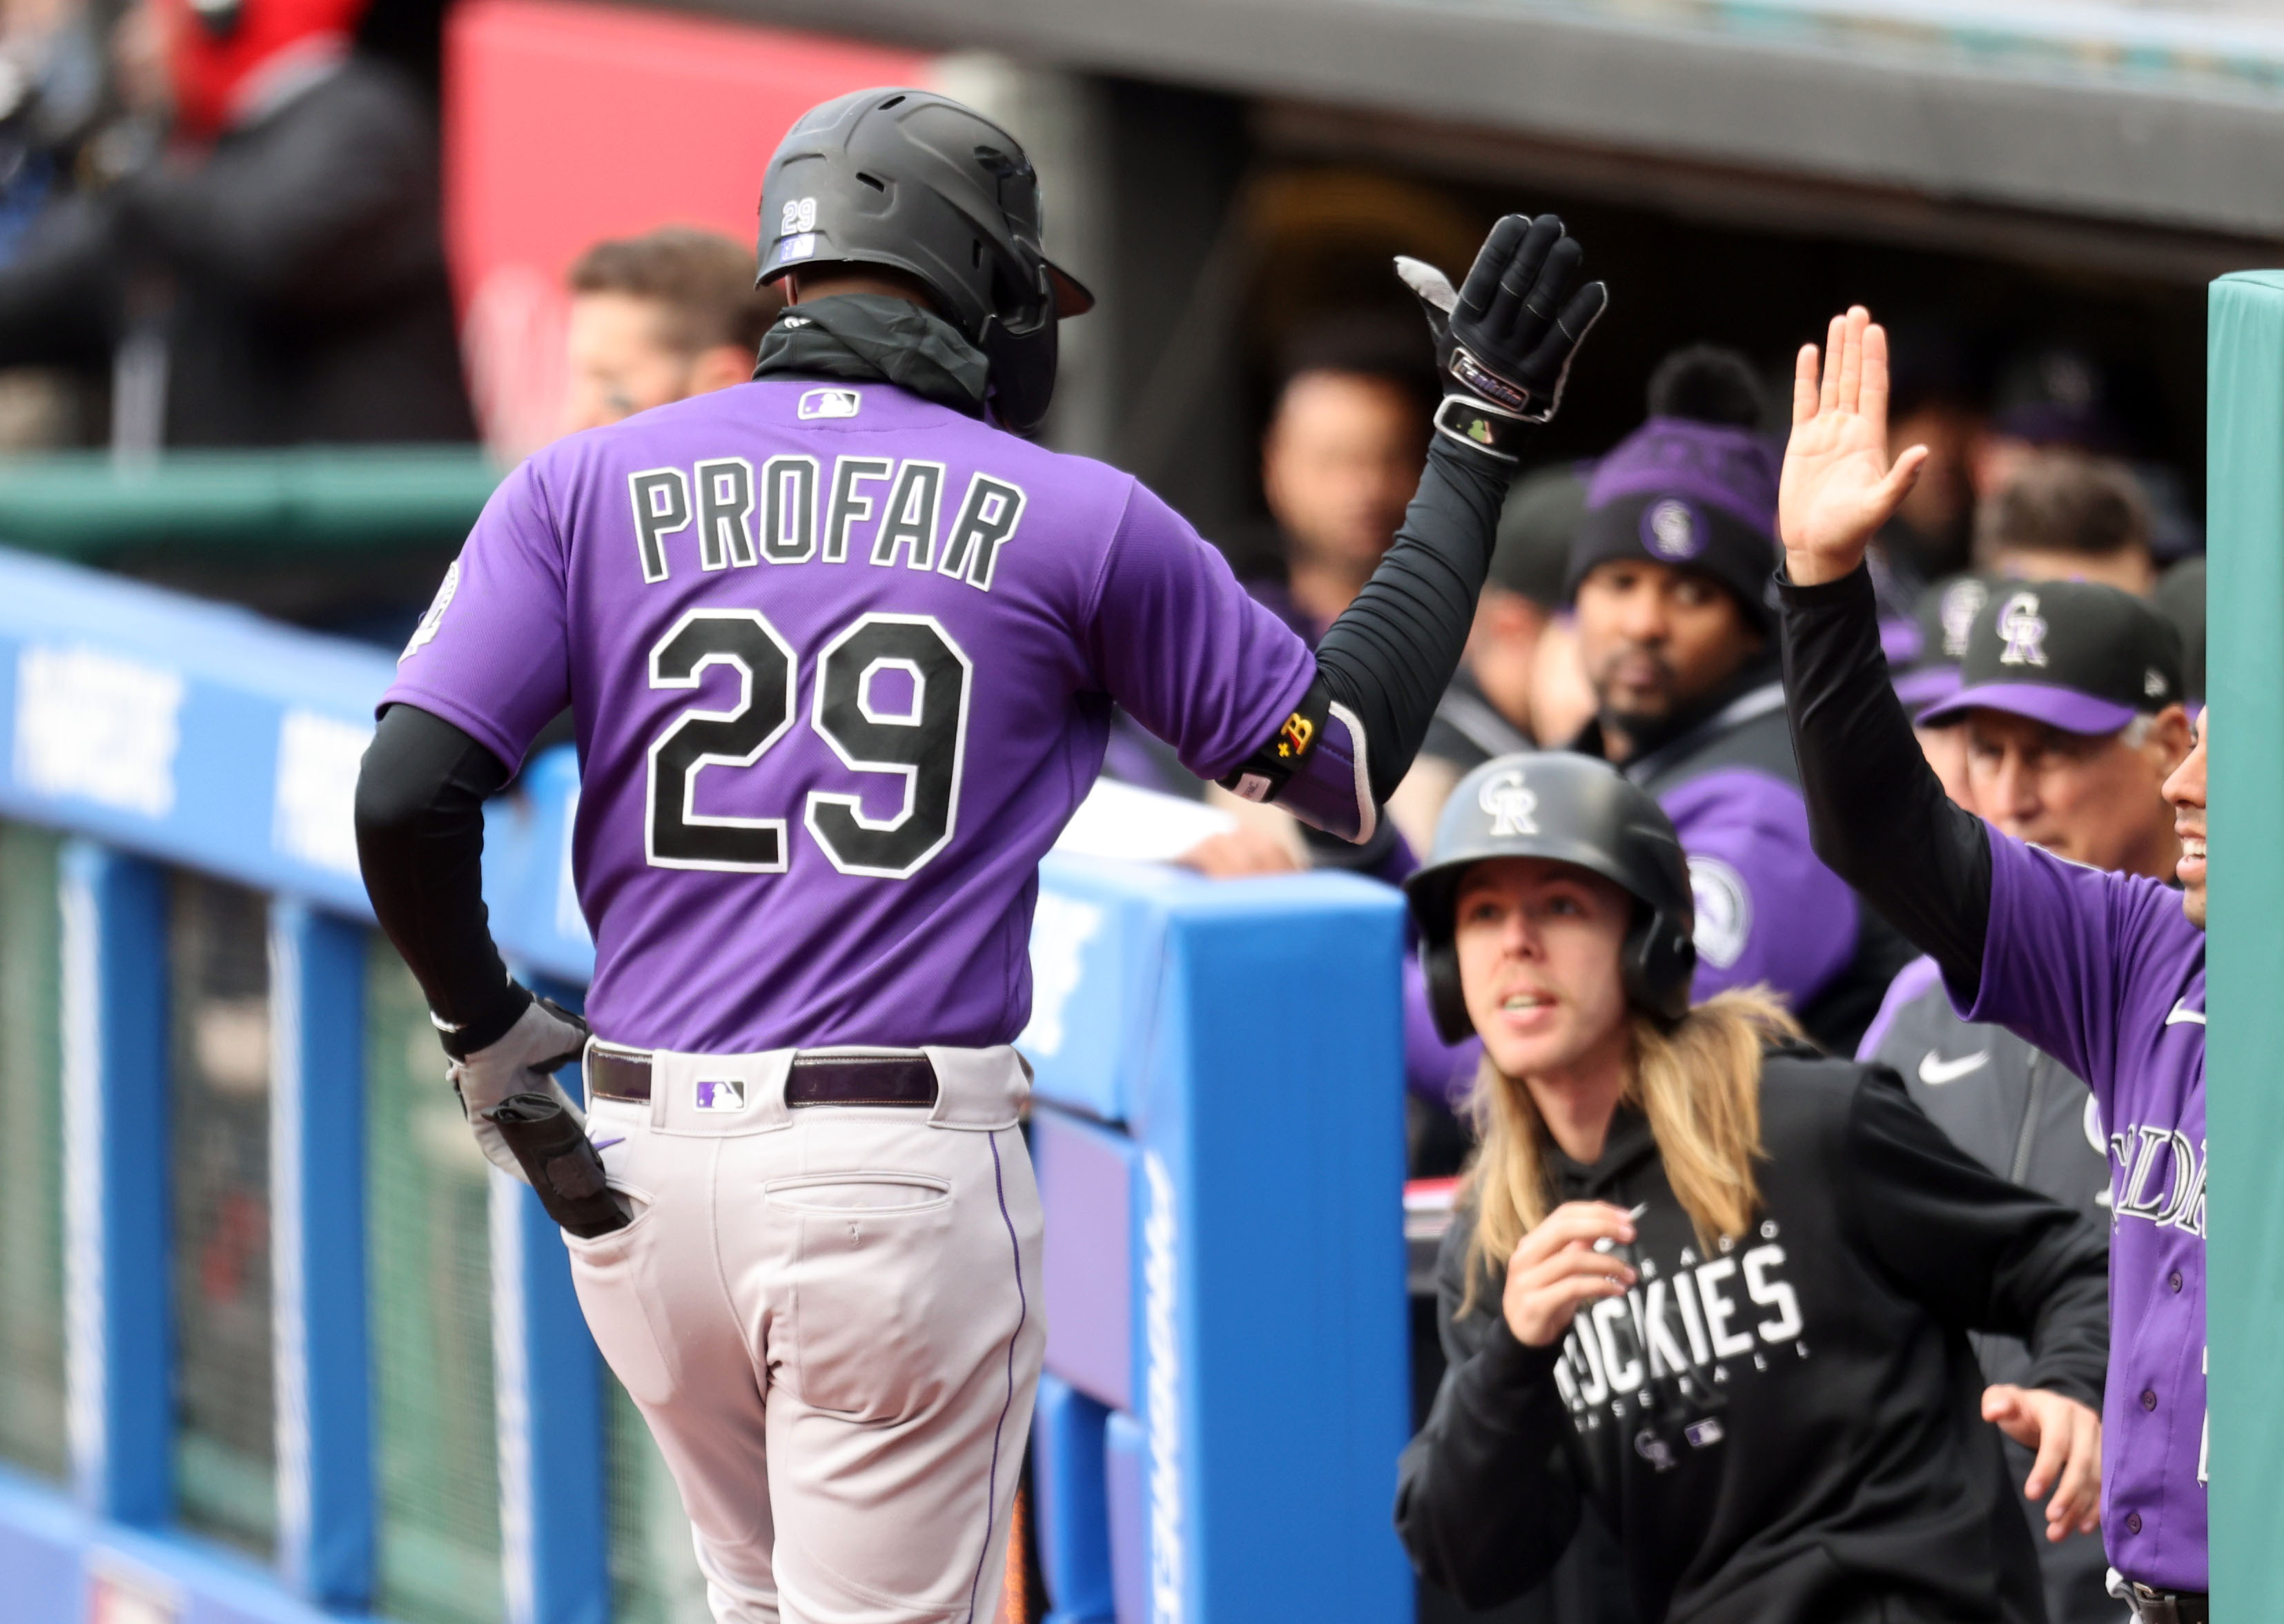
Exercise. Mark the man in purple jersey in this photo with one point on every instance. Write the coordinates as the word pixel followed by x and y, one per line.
pixel 2105 971
pixel 2068 756
pixel 841 653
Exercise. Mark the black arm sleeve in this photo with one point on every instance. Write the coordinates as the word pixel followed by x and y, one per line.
pixel 1981 1254
pixel 420 841
pixel 1877 813
pixel 1391 654
pixel 1486 1499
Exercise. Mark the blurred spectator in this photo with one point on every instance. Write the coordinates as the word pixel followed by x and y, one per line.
pixel 2056 398
pixel 1931 406
pixel 278 275
pixel 1487 710
pixel 1561 699
pixel 2065 516
pixel 1670 572
pixel 661 317
pixel 2181 595
pixel 2069 756
pixel 53 93
pixel 1946 614
pixel 1342 456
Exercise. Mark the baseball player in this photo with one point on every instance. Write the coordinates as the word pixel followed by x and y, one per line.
pixel 2067 756
pixel 842 648
pixel 2104 972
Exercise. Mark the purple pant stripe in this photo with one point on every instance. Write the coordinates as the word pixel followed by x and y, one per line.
pixel 1022 1317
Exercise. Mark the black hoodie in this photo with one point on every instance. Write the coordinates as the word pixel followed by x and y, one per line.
pixel 1786 1428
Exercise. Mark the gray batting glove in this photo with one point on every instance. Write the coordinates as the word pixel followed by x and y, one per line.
pixel 545 1038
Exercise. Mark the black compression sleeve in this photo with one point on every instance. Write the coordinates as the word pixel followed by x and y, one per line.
pixel 1876 812
pixel 1391 654
pixel 420 841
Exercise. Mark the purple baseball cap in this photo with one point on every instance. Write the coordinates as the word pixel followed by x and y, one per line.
pixel 2082 658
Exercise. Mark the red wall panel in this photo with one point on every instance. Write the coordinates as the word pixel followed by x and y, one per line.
pixel 566 123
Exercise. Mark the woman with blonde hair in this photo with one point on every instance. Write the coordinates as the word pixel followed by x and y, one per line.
pixel 1707 1283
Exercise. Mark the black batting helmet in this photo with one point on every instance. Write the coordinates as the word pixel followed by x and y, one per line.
pixel 915 182
pixel 1566 809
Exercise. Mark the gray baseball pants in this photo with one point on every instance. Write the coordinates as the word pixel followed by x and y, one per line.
pixel 829 1316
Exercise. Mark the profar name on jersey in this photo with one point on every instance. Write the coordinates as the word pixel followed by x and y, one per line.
pixel 790 512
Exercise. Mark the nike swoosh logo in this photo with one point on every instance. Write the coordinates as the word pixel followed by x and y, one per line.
pixel 2180 1014
pixel 1935 1071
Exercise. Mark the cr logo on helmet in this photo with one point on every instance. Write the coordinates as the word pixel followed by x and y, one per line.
pixel 1508 804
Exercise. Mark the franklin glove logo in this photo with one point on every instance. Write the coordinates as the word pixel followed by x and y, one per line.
pixel 1508 803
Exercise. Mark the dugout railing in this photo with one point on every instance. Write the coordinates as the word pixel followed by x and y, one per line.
pixel 276 1344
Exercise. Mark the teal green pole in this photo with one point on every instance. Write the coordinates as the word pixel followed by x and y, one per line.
pixel 2244 473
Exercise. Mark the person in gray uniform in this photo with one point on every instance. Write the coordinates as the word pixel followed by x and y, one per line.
pixel 2069 756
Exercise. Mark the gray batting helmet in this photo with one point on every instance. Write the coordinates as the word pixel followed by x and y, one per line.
pixel 1566 809
pixel 917 182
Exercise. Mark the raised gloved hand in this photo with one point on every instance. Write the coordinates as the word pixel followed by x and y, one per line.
pixel 545 1039
pixel 1505 341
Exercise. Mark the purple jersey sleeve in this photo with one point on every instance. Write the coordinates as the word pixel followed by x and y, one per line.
pixel 491 656
pixel 1186 649
pixel 1767 910
pixel 1434 1069
pixel 1910 983
pixel 2065 946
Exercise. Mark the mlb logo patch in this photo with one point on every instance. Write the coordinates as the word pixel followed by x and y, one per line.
pixel 720 1094
pixel 830 404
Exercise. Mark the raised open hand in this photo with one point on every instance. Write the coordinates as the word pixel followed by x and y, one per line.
pixel 1837 488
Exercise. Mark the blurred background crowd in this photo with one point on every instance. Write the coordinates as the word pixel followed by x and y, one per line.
pixel 264 225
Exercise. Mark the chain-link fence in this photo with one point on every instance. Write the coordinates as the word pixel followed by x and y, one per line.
pixel 225 1422
pixel 31 1156
pixel 431 1316
pixel 654 1577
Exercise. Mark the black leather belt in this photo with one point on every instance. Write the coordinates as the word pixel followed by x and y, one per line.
pixel 815 1079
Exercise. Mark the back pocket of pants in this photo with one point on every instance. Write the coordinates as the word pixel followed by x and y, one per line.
pixel 872 1290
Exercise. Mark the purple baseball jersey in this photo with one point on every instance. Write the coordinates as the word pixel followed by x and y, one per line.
pixel 842 663
pixel 2104 972
pixel 1767 910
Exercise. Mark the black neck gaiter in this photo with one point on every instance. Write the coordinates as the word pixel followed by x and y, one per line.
pixel 875 338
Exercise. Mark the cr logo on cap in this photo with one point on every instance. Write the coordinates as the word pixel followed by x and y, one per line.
pixel 2024 629
pixel 1670 530
pixel 1508 804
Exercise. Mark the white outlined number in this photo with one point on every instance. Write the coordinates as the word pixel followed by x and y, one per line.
pixel 924 741
pixel 674 835
pixel 927 743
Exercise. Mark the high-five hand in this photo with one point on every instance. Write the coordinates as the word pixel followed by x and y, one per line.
pixel 1837 488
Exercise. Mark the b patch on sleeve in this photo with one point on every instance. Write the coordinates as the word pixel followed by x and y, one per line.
pixel 1261 776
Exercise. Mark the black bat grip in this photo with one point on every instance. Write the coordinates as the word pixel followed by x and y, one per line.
pixel 561 1162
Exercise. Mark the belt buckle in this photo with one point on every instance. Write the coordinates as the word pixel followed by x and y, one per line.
pixel 2154 1606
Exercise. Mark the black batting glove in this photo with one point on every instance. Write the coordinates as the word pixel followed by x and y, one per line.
pixel 1505 341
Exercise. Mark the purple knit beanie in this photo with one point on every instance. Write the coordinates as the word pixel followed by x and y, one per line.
pixel 1701 496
